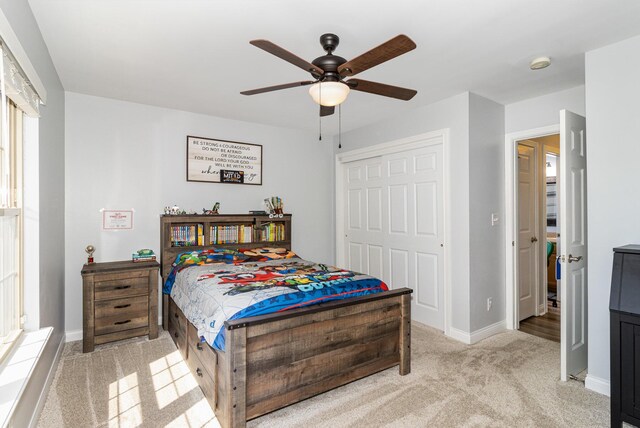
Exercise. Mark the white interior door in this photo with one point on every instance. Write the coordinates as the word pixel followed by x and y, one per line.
pixel 394 225
pixel 364 217
pixel 527 231
pixel 573 243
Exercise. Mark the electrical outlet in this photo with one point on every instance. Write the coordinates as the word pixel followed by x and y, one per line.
pixel 489 303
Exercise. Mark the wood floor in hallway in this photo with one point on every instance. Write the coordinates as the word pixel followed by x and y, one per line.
pixel 546 326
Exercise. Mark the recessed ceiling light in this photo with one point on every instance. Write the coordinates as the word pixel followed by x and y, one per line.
pixel 540 63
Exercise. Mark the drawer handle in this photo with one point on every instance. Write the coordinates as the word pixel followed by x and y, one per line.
pixel 122 306
pixel 198 346
pixel 122 287
pixel 199 372
pixel 175 315
pixel 122 322
pixel 175 334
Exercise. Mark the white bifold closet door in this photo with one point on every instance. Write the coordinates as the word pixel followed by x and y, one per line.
pixel 394 225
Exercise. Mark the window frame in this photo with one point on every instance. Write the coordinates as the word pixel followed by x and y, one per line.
pixel 12 184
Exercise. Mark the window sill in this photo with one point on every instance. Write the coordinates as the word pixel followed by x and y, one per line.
pixel 7 345
pixel 17 367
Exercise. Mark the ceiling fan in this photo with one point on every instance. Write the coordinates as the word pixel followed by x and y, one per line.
pixel 330 71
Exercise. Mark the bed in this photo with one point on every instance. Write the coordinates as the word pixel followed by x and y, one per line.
pixel 273 360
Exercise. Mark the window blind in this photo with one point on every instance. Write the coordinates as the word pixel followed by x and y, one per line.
pixel 17 86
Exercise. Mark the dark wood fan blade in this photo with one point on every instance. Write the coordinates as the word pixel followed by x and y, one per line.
pixel 277 87
pixel 381 89
pixel 276 50
pixel 327 111
pixel 395 47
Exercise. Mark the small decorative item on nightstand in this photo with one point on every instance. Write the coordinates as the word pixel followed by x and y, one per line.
pixel 119 301
pixel 144 255
pixel 90 250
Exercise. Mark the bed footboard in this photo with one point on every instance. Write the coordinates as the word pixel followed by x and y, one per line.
pixel 280 359
pixel 275 360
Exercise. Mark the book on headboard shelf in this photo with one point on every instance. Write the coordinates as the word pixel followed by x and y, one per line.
pixel 231 234
pixel 187 235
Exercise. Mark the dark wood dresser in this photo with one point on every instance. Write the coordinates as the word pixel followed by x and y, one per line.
pixel 624 308
pixel 119 301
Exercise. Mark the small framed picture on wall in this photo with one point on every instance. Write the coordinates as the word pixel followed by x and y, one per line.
pixel 220 161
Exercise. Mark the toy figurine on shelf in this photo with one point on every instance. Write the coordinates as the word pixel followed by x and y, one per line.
pixel 213 210
pixel 274 207
pixel 90 250
pixel 174 210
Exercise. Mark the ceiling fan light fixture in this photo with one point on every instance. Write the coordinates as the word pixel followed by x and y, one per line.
pixel 331 94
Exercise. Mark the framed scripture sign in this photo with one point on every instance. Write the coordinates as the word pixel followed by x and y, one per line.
pixel 220 161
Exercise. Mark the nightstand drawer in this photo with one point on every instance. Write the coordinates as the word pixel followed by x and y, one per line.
pixel 121 322
pixel 117 307
pixel 115 288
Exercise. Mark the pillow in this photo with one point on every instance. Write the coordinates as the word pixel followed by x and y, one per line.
pixel 269 253
pixel 215 255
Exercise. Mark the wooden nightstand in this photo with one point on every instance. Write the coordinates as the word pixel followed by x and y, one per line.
pixel 119 300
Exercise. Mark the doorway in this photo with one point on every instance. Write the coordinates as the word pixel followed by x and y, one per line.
pixel 571 242
pixel 539 311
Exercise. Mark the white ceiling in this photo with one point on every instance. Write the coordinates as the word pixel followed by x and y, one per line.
pixel 195 55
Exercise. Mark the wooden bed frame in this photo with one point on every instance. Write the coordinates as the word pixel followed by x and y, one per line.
pixel 275 360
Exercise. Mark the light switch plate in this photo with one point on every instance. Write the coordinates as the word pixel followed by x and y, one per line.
pixel 494 219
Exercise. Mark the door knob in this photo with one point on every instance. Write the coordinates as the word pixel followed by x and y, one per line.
pixel 534 239
pixel 574 258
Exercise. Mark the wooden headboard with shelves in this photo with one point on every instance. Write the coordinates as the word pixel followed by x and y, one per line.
pixel 180 233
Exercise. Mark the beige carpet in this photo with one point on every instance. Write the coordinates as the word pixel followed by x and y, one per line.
pixel 508 380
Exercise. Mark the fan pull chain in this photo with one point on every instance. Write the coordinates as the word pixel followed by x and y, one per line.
pixel 339 126
pixel 320 115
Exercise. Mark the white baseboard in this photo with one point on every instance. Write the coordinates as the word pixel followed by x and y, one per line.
pixel 598 385
pixel 459 335
pixel 488 331
pixel 73 335
pixel 47 384
pixel 478 335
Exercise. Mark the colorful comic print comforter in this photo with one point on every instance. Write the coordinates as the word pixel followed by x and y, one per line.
pixel 211 287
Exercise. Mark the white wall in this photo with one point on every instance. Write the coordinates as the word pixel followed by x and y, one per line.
pixel 49 261
pixel 121 155
pixel 451 113
pixel 544 110
pixel 613 150
pixel 486 196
